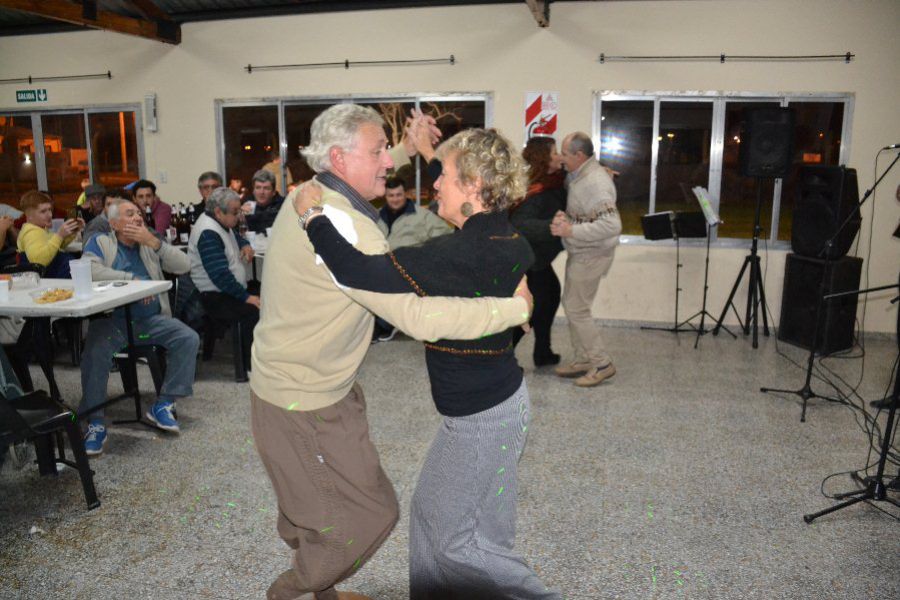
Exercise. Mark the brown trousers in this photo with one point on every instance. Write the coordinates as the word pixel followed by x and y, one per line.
pixel 336 506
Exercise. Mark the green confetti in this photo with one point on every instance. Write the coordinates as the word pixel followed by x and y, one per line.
pixel 478 293
pixel 232 504
pixel 515 268
pixel 291 407
pixel 350 542
pixel 495 281
pixel 327 529
pixel 524 428
pixel 356 564
pixel 503 447
pixel 500 491
pixel 501 470
pixel 144 336
pixel 649 511
pixel 318 418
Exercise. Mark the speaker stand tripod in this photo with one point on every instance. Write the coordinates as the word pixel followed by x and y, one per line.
pixel 875 488
pixel 806 391
pixel 756 293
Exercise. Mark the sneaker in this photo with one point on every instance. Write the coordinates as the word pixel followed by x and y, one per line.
pixel 388 335
pixel 95 438
pixel 596 375
pixel 573 370
pixel 160 414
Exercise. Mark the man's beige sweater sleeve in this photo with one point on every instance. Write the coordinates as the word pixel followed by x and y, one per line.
pixel 433 318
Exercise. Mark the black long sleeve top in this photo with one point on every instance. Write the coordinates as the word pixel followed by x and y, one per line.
pixel 487 257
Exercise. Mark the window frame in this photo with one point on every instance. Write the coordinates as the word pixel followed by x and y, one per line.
pixel 37 130
pixel 719 100
pixel 417 98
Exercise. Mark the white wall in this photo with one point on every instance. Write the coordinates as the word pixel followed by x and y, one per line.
pixel 500 50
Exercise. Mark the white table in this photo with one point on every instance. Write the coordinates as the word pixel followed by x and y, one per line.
pixel 107 296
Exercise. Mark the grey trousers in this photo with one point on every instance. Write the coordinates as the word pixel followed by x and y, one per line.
pixel 463 513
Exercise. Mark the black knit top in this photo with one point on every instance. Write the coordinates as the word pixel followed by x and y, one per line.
pixel 487 257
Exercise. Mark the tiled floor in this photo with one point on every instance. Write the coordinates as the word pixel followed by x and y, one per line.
pixel 676 479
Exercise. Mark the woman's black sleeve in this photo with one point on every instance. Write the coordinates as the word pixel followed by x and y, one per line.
pixel 352 268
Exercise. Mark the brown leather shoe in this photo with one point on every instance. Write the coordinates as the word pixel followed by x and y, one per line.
pixel 572 370
pixel 596 376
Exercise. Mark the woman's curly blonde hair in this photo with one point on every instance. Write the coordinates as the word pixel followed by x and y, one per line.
pixel 484 154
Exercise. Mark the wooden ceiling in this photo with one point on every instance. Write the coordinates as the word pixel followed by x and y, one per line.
pixel 161 20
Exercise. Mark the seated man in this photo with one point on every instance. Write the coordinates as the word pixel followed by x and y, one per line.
pixel 92 206
pixel 131 251
pixel 100 224
pixel 260 210
pixel 145 197
pixel 404 223
pixel 218 255
pixel 37 243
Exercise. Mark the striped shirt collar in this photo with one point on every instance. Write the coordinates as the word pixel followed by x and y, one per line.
pixel 334 182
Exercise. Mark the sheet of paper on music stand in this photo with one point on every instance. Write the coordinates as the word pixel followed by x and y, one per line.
pixel 706 206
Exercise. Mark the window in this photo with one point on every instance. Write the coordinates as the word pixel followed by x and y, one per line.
pixel 258 126
pixel 18 172
pixel 664 145
pixel 61 151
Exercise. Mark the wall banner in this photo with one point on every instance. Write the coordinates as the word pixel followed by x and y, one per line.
pixel 540 113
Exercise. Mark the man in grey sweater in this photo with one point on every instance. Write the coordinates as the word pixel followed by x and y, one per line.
pixel 589 229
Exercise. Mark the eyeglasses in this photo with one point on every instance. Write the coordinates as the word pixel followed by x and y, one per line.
pixel 208 186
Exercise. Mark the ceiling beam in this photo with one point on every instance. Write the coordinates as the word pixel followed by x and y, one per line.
pixel 63 10
pixel 540 10
pixel 150 10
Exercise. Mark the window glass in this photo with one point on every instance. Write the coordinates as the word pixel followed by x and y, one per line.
pixel 114 148
pixel 817 141
pixel 66 154
pixel 626 135
pixel 452 117
pixel 685 134
pixel 251 142
pixel 737 207
pixel 298 119
pixel 18 172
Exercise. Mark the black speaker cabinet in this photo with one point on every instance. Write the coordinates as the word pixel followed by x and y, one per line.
pixel 767 142
pixel 827 197
pixel 802 282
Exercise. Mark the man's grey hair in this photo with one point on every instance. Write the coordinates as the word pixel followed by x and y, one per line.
pixel 263 176
pixel 112 211
pixel 581 142
pixel 337 126
pixel 209 175
pixel 219 198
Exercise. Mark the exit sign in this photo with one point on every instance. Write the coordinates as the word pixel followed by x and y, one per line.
pixel 39 95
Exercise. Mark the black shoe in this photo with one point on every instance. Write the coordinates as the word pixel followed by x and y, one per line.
pixel 545 360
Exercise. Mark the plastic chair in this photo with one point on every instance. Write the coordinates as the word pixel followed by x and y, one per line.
pixel 37 418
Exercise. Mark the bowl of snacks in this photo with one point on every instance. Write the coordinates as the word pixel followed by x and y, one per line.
pixel 51 295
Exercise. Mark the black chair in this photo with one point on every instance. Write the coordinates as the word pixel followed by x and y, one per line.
pixel 156 360
pixel 214 329
pixel 37 418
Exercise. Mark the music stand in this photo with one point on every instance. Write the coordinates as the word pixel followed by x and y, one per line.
pixel 670 225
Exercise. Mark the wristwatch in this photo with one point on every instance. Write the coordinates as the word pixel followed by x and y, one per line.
pixel 304 218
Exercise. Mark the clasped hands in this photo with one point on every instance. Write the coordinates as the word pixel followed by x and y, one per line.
pixel 561 226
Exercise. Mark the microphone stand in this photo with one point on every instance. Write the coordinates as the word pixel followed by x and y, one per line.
pixel 875 488
pixel 806 392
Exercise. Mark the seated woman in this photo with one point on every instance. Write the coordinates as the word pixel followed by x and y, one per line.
pixel 462 517
pixel 532 217
pixel 40 245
